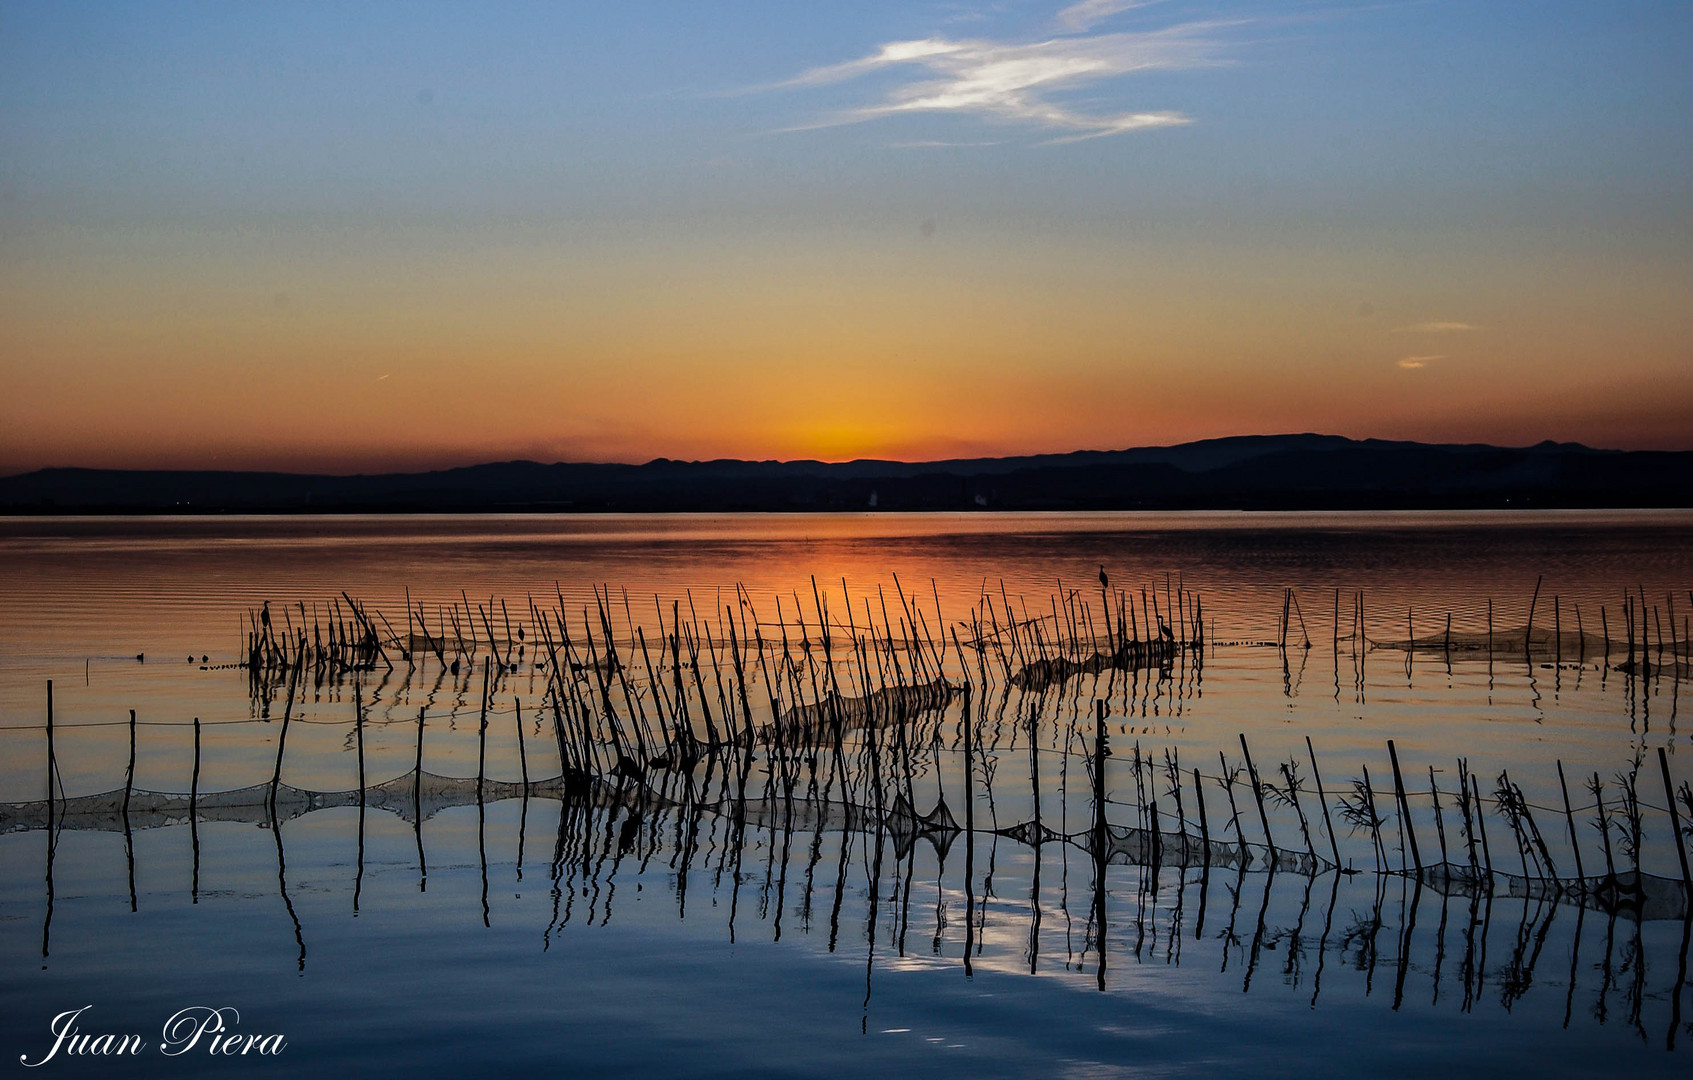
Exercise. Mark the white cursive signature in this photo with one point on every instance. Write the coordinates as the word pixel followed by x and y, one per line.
pixel 197 1025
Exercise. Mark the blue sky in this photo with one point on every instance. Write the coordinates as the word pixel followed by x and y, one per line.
pixel 378 112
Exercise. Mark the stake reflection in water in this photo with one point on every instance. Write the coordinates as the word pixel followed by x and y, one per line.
pixel 855 733
pixel 674 836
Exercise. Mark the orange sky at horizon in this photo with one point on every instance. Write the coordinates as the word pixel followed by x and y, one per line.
pixel 913 347
pixel 348 240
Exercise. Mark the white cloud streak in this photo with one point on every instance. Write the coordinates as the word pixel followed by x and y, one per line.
pixel 1020 82
pixel 1090 13
pixel 1412 363
pixel 1434 328
pixel 937 144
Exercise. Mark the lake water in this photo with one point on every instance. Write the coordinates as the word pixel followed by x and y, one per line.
pixel 771 914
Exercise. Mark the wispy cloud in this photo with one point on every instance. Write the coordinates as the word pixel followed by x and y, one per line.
pixel 1023 82
pixel 1412 363
pixel 1434 328
pixel 936 144
pixel 1090 13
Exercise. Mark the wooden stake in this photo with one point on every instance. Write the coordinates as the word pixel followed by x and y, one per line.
pixel 522 754
pixel 1528 634
pixel 1258 794
pixel 282 736
pixel 129 775
pixel 1675 825
pixel 1101 837
pixel 1322 800
pixel 1439 822
pixel 482 734
pixel 358 730
pixel 52 759
pixel 1569 819
pixel 1404 808
pixel 1204 824
pixel 1337 622
pixel 1481 827
pixel 1557 632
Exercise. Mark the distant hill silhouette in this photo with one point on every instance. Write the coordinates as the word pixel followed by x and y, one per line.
pixel 1258 472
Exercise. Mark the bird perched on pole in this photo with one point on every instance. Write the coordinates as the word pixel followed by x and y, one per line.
pixel 1104 582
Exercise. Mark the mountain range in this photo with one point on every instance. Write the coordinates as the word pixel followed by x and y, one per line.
pixel 1257 472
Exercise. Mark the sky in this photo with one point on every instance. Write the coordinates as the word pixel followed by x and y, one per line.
pixel 364 237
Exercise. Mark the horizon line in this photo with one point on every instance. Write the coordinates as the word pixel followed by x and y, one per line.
pixel 664 459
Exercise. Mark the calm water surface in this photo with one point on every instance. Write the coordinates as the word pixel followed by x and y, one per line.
pixel 653 931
